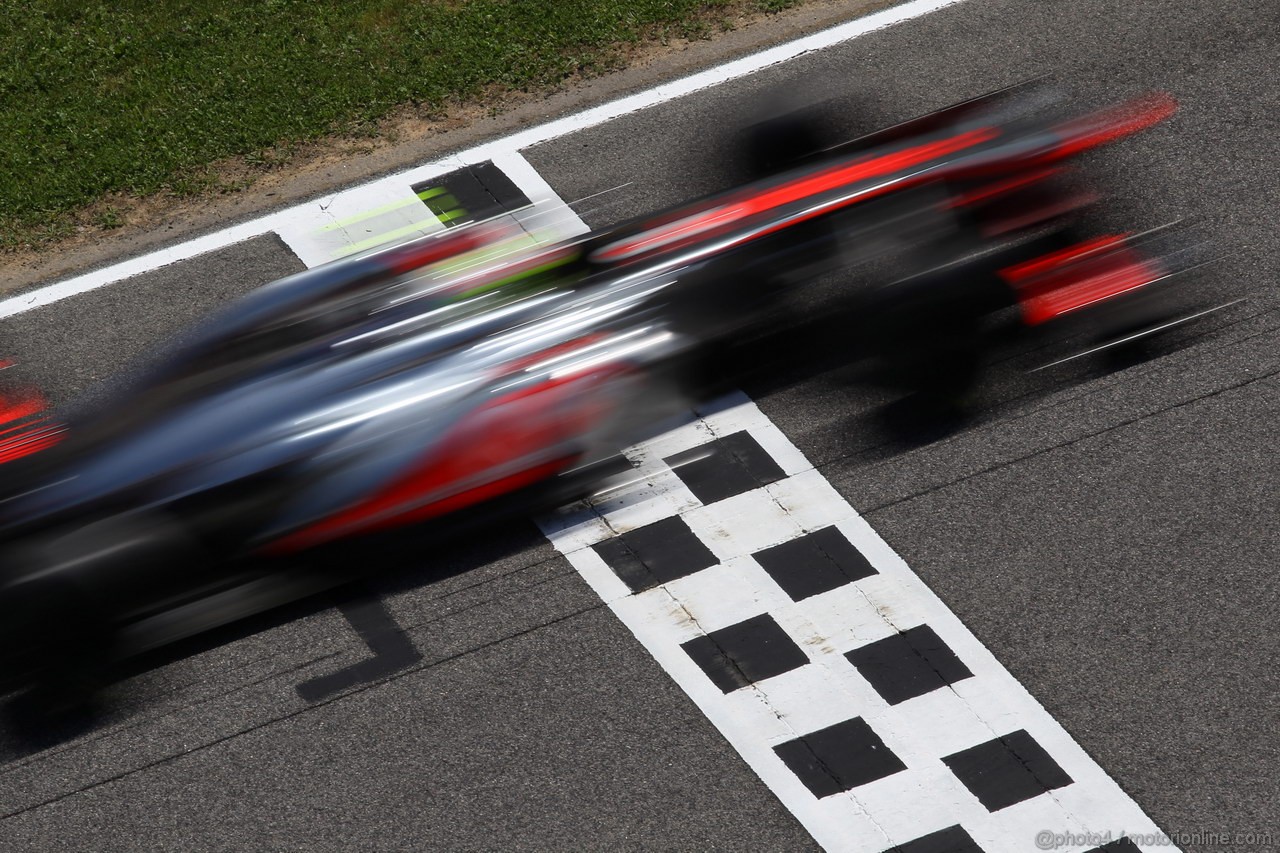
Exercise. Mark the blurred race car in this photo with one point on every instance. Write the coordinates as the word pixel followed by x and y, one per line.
pixel 479 374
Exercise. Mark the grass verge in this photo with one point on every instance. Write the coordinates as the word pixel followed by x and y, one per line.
pixel 138 97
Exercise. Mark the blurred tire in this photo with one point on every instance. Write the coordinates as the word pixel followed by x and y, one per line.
pixel 68 593
pixel 927 335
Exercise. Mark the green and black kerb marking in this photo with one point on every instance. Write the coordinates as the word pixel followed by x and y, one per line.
pixel 471 194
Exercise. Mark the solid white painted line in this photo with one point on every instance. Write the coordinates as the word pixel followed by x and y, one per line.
pixel 312 215
pixel 47 295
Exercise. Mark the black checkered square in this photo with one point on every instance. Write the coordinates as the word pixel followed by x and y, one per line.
pixel 470 194
pixel 908 664
pixel 1120 845
pixel 655 554
pixel 953 839
pixel 839 758
pixel 745 653
pixel 725 467
pixel 814 563
pixel 1007 770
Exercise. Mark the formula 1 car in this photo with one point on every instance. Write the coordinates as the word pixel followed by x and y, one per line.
pixel 478 374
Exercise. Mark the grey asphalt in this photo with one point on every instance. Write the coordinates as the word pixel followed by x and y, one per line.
pixel 1112 538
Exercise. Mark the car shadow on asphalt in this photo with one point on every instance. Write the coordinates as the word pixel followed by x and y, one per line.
pixel 32 725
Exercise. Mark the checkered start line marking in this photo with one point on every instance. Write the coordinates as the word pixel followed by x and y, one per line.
pixel 868 708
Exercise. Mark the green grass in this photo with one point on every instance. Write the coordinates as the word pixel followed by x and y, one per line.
pixel 140 96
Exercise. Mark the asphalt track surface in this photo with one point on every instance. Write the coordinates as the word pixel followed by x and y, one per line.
pixel 1110 537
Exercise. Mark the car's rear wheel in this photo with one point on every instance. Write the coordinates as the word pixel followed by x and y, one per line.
pixel 927 335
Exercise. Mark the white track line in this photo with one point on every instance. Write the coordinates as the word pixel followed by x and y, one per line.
pixel 303 216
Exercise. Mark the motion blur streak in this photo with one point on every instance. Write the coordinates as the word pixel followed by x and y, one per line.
pixel 25 426
pixel 1116 123
pixel 1077 277
pixel 716 220
pixel 485 372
